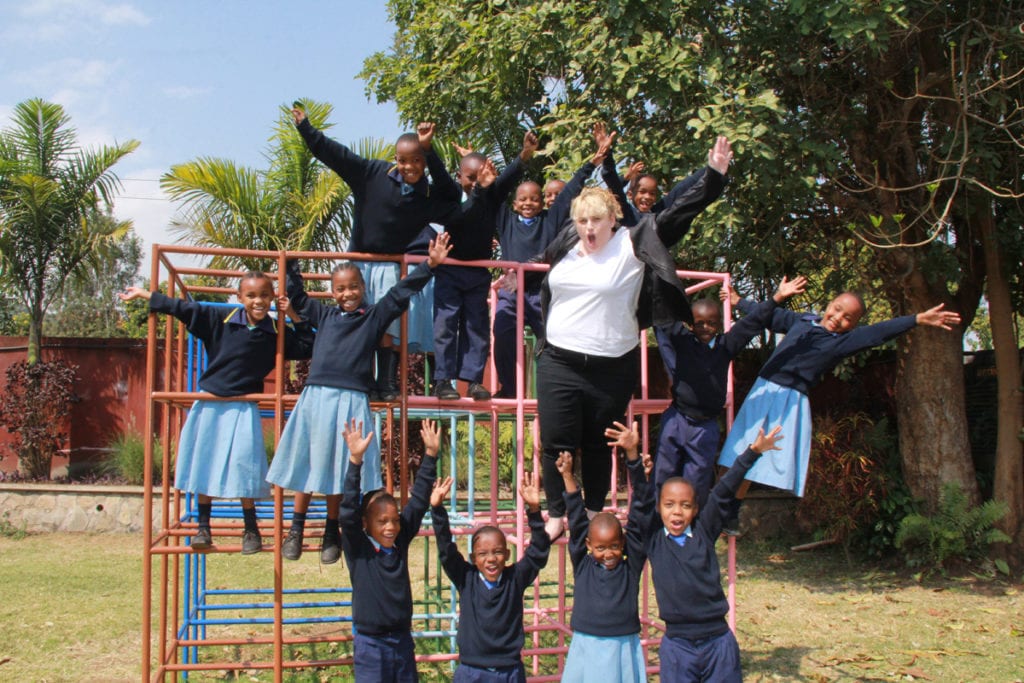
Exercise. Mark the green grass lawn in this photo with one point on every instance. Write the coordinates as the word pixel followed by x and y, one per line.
pixel 70 610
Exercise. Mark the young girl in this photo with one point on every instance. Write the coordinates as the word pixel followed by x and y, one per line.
pixel 812 346
pixel 605 614
pixel 490 634
pixel 376 540
pixel 311 455
pixel 220 450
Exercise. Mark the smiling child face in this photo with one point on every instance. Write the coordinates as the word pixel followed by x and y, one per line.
pixel 410 160
pixel 605 543
pixel 382 522
pixel 347 289
pixel 528 202
pixel 490 553
pixel 256 295
pixel 842 314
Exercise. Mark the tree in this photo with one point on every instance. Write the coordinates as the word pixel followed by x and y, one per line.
pixel 90 307
pixel 872 139
pixel 50 191
pixel 296 203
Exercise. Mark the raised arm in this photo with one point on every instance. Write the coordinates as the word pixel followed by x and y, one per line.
pixel 426 475
pixel 455 565
pixel 613 182
pixel 349 517
pixel 640 510
pixel 579 523
pixel 717 509
pixel 666 337
pixel 350 166
pixel 200 320
pixel 759 316
pixel 674 222
pixel 536 556
pixel 444 186
pixel 309 308
pixel 298 337
pixel 397 299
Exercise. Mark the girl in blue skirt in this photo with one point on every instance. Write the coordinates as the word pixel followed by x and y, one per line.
pixel 220 450
pixel 813 345
pixel 605 612
pixel 312 455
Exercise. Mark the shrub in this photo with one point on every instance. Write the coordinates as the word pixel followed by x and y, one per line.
pixel 33 407
pixel 847 480
pixel 955 533
pixel 127 457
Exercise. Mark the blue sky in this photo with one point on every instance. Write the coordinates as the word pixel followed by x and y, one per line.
pixel 189 78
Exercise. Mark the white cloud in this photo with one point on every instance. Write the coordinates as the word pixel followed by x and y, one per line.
pixel 68 73
pixel 54 20
pixel 185 92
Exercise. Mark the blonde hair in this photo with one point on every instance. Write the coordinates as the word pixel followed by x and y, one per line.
pixel 595 201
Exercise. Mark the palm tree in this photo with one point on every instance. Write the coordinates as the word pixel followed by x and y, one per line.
pixel 51 193
pixel 296 203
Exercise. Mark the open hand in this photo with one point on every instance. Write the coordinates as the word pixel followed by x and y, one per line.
pixel 130 293
pixel 626 438
pixel 720 155
pixel 937 317
pixel 439 248
pixel 788 288
pixel 529 489
pixel 440 492
pixel 766 442
pixel 431 433
pixel 356 441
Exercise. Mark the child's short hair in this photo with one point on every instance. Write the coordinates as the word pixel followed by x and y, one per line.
pixel 409 137
pixel 371 498
pixel 474 156
pixel 255 275
pixel 606 520
pixel 595 201
pixel 348 265
pixel 485 529
pixel 860 300
pixel 677 480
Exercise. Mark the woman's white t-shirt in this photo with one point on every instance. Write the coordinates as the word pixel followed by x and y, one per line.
pixel 594 299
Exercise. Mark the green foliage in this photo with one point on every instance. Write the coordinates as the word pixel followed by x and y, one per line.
pixel 295 203
pixel 9 530
pixel 127 458
pixel 51 194
pixel 34 408
pixel 956 532
pixel 847 481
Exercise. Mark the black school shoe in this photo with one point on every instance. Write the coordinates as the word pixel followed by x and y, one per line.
pixel 330 548
pixel 444 390
pixel 252 542
pixel 202 539
pixel 291 549
pixel 479 392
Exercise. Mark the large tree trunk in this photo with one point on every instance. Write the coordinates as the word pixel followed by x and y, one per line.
pixel 1009 472
pixel 930 405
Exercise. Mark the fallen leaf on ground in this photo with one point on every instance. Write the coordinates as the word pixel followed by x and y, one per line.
pixel 917 673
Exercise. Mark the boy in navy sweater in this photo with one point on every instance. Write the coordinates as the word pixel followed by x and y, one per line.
pixel 524 232
pixel 376 538
pixel 698 361
pixel 698 645
pixel 461 316
pixel 605 612
pixel 490 635
pixel 393 204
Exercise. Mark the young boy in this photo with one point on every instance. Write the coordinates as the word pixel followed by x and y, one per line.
pixel 461 316
pixel 605 613
pixel 376 538
pixel 698 361
pixel 394 202
pixel 524 232
pixel 552 189
pixel 490 635
pixel 680 540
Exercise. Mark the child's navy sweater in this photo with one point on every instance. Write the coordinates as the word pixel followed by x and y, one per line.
pixel 381 592
pixel 384 220
pixel 472 234
pixel 522 241
pixel 808 350
pixel 238 358
pixel 687 579
pixel 700 371
pixel 605 602
pixel 630 214
pixel 491 620
pixel 343 352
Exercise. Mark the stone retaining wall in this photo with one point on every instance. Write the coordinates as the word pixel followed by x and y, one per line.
pixel 101 509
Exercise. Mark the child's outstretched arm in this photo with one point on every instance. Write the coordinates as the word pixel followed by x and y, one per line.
pixel 536 555
pixel 626 438
pixel 420 497
pixel 298 337
pixel 348 516
pixel 455 565
pixel 444 186
pixel 866 336
pixel 438 251
pixel 720 155
pixel 392 304
pixel 300 302
pixel 713 515
pixel 347 164
pixel 937 317
pixel 200 320
pixel 579 523
pixel 604 141
pixel 765 314
pixel 132 293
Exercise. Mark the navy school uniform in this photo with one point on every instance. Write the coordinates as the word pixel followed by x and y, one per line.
pixel 381 591
pixel 388 213
pixel 630 214
pixel 698 644
pixel 220 450
pixel 521 240
pixel 688 436
pixel 605 611
pixel 490 633
pixel 312 455
pixel 779 396
pixel 461 315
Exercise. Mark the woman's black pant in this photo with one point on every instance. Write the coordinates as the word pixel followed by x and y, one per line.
pixel 578 397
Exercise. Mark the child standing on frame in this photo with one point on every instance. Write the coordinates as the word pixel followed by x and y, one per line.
pixel 376 538
pixel 220 450
pixel 490 634
pixel 605 610
pixel 312 456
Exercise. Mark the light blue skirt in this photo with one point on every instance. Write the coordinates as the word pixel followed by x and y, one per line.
pixel 220 451
pixel 615 659
pixel 380 277
pixel 312 456
pixel 769 405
